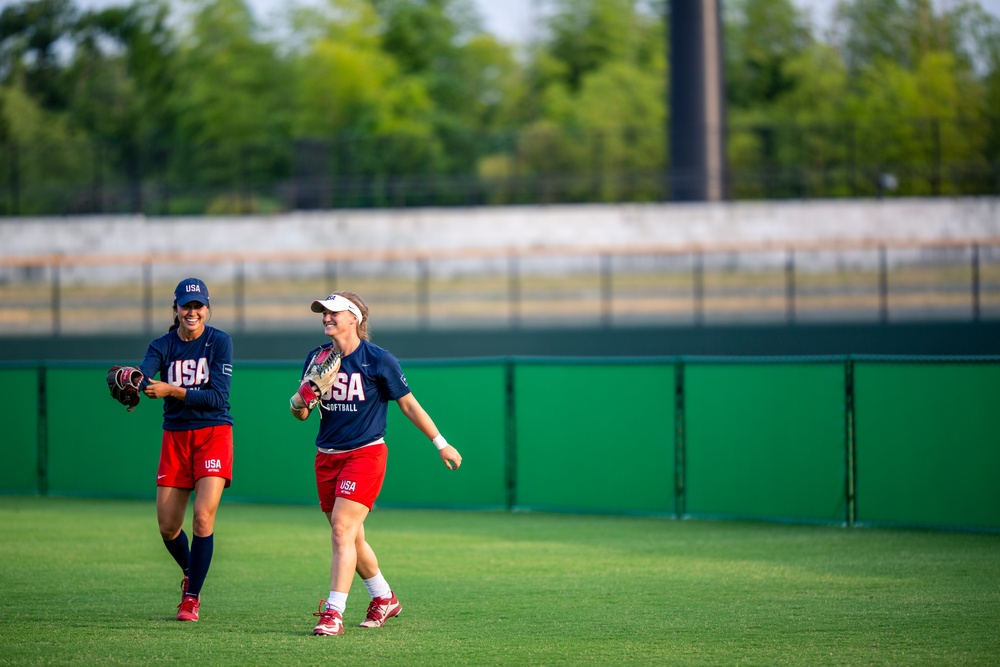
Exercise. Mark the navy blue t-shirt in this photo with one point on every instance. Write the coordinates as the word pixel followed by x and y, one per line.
pixel 353 411
pixel 204 366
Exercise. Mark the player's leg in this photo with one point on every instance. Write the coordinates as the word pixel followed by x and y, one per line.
pixel 367 560
pixel 212 465
pixel 208 494
pixel 384 604
pixel 327 467
pixel 370 470
pixel 171 505
pixel 348 485
pixel 174 485
pixel 346 521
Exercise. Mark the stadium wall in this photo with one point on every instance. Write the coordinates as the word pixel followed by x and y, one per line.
pixel 937 338
pixel 884 441
pixel 513 227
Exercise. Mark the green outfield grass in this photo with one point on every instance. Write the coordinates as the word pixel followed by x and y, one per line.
pixel 88 581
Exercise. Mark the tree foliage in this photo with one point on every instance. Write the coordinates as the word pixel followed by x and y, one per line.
pixel 29 36
pixel 201 95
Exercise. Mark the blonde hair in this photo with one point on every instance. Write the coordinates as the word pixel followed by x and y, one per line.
pixel 356 299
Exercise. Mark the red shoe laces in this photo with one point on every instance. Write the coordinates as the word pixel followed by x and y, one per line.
pixel 376 609
pixel 324 612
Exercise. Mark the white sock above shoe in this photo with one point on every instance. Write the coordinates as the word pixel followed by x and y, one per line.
pixel 377 586
pixel 337 602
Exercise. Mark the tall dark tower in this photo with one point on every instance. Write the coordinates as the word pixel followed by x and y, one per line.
pixel 697 101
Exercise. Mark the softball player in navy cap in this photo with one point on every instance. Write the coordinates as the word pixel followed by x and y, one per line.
pixel 351 453
pixel 195 365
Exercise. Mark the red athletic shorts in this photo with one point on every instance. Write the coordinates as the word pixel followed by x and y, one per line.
pixel 356 475
pixel 187 456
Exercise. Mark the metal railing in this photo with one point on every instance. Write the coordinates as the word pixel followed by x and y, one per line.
pixel 877 281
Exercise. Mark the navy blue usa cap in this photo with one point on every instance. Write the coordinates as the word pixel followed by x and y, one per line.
pixel 190 289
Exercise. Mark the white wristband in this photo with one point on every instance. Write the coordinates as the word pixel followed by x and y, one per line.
pixel 439 442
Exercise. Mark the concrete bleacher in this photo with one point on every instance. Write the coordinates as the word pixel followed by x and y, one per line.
pixel 109 249
pixel 512 227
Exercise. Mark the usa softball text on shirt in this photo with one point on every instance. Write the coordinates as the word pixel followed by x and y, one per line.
pixel 204 367
pixel 353 410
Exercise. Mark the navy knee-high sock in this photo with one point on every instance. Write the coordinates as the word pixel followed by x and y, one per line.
pixel 201 558
pixel 178 548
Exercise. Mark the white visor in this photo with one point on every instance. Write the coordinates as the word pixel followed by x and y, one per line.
pixel 337 303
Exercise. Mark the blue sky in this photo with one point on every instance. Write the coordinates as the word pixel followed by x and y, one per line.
pixel 513 20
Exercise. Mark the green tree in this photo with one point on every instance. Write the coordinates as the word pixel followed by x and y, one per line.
pixel 424 35
pixel 41 157
pixel 352 93
pixel 768 55
pixel 496 83
pixel 898 31
pixel 29 34
pixel 975 36
pixel 762 38
pixel 916 97
pixel 465 72
pixel 620 108
pixel 120 75
pixel 911 122
pixel 584 35
pixel 894 91
pixel 824 148
pixel 147 47
pixel 597 93
pixel 230 98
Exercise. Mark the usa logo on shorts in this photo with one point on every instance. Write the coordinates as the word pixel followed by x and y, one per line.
pixel 347 488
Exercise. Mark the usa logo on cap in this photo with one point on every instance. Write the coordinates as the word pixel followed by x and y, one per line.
pixel 190 289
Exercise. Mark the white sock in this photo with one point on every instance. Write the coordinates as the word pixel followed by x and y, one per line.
pixel 337 601
pixel 377 586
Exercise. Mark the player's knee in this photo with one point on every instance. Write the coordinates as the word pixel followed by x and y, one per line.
pixel 344 532
pixel 169 530
pixel 204 523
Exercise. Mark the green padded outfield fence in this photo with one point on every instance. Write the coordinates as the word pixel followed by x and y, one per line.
pixel 834 440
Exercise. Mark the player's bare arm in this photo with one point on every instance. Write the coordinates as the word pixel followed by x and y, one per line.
pixel 416 414
pixel 301 413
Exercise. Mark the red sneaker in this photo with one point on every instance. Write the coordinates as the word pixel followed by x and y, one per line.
pixel 330 621
pixel 381 610
pixel 187 610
